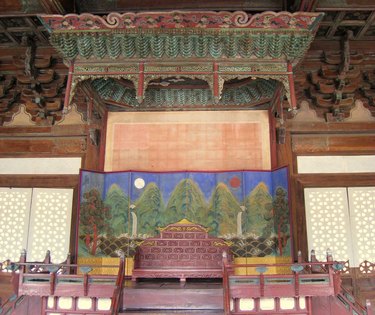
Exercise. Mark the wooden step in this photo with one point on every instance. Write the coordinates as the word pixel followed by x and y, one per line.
pixel 168 295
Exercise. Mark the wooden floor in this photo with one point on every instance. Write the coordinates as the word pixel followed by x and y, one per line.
pixel 172 297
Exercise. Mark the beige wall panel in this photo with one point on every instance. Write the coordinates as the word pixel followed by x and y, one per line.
pixel 174 141
pixel 39 166
pixel 50 223
pixel 328 223
pixel 362 217
pixel 14 221
pixel 336 164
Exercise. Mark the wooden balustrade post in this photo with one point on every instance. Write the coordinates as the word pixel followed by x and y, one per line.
pixel 94 303
pixel 22 261
pixel 236 304
pixel 74 302
pixel 277 303
pixel 44 305
pixel 308 300
pixel 52 283
pixel 47 258
pixel 296 283
pixel 117 294
pixel 329 255
pixel 261 284
pixel 261 270
pixel 85 284
pixel 299 257
pixel 336 278
pixel 226 292
pixel 257 304
pixel 67 269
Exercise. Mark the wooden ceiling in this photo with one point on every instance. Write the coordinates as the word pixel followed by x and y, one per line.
pixel 357 16
pixel 13 28
pixel 105 6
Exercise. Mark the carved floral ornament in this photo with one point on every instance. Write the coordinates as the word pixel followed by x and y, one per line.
pixel 214 74
pixel 177 19
pixel 187 34
pixel 221 79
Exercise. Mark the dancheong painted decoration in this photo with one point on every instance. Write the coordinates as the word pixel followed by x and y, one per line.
pixel 136 50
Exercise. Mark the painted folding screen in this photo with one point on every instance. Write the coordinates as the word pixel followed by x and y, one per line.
pixel 248 208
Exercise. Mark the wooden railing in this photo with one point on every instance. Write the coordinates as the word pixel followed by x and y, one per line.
pixel 358 292
pixel 116 302
pixel 277 286
pixel 53 283
pixel 301 280
pixel 352 305
pixel 11 306
pixel 363 278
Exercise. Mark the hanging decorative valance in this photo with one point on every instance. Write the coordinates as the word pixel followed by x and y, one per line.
pixel 215 47
pixel 183 34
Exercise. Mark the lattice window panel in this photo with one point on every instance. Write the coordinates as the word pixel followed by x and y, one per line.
pixel 14 221
pixel 50 224
pixel 362 216
pixel 327 222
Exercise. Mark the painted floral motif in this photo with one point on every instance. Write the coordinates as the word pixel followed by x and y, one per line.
pixel 128 22
pixel 178 19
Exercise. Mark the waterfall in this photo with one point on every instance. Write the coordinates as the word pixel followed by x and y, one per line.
pixel 239 223
pixel 134 225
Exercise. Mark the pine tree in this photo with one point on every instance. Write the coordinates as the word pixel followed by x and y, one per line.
pixel 186 201
pixel 94 219
pixel 281 214
pixel 149 210
pixel 119 204
pixel 258 205
pixel 223 211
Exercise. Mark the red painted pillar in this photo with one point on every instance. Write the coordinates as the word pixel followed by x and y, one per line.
pixel 293 101
pixel 69 85
pixel 141 82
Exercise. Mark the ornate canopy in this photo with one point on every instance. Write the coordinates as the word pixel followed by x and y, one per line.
pixel 155 60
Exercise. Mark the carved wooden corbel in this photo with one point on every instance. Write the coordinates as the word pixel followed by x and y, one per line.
pixel 218 84
pixel 30 69
pixel 94 136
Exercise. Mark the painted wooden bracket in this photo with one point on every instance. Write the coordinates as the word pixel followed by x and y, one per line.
pixel 216 85
pixel 141 82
